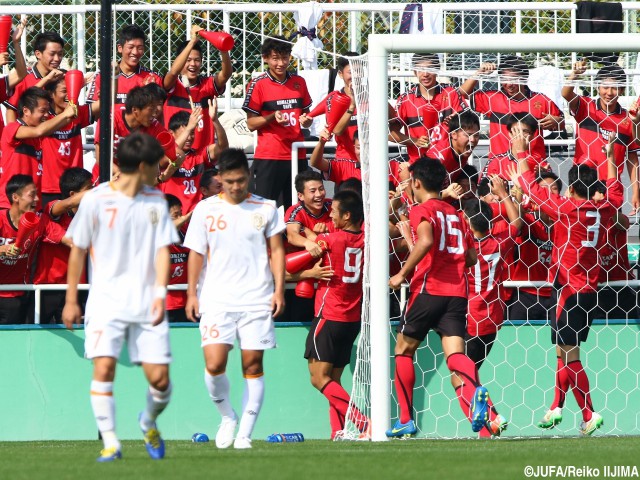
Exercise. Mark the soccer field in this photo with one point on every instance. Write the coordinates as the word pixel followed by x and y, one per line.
pixel 319 459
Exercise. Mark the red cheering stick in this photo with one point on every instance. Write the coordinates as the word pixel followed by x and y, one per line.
pixel 294 262
pixel 168 143
pixel 306 288
pixel 221 40
pixel 337 106
pixel 28 223
pixel 75 81
pixel 6 22
pixel 320 109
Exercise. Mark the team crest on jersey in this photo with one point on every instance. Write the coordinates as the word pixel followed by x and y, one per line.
pixel 537 105
pixel 258 221
pixel 296 86
pixel 154 216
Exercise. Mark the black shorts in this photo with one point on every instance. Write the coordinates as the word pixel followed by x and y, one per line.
pixel 618 303
pixel 477 348
pixel 445 315
pixel 331 342
pixel 527 306
pixel 272 179
pixel 574 314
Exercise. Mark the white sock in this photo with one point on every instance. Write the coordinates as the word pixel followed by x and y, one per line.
pixel 104 411
pixel 251 405
pixel 157 401
pixel 218 387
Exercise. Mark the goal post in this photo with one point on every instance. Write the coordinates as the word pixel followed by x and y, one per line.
pixel 376 172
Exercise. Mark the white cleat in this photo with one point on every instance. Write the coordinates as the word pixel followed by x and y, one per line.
pixel 226 432
pixel 242 443
pixel 587 428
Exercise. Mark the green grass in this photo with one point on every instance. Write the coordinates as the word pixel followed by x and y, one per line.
pixel 423 459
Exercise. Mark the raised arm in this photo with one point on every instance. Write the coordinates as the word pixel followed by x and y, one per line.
pixel 178 64
pixel 568 92
pixel 48 127
pixel 317 156
pixel 222 142
pixel 20 70
pixel 498 189
pixel 466 89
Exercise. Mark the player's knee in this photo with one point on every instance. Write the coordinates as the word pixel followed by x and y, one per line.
pixel 104 373
pixel 160 383
pixel 319 380
pixel 215 368
pixel 253 370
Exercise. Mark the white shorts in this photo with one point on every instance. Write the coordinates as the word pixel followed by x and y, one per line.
pixel 254 330
pixel 146 343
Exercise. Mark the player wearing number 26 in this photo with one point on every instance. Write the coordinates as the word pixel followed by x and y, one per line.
pixel 243 288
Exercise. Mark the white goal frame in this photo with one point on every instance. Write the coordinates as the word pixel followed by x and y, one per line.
pixel 380 46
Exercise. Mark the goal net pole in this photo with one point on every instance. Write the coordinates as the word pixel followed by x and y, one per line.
pixel 380 46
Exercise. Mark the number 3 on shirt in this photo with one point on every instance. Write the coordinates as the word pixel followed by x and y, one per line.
pixel 354 268
pixel 447 228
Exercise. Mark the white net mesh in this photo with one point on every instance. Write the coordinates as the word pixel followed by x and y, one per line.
pixel 509 281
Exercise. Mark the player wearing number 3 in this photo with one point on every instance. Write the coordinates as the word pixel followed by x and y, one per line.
pixel 243 288
pixel 127 227
pixel 276 104
pixel 443 249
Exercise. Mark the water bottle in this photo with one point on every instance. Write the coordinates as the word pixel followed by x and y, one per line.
pixel 285 437
pixel 199 437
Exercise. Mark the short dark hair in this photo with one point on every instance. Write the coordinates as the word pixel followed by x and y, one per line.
pixel 479 214
pixel 466 120
pixel 179 119
pixel 51 87
pixel 42 39
pixel 16 184
pixel 431 58
pixel 197 47
pixel 172 201
pixel 583 179
pixel 131 32
pixel 138 148
pixel 72 180
pixel 139 97
pixel 511 63
pixel 307 176
pixel 207 177
pixel 549 174
pixel 469 172
pixel 343 61
pixel 484 187
pixel 522 117
pixel 232 159
pixel 350 202
pixel 275 45
pixel 29 99
pixel 356 136
pixel 159 93
pixel 430 172
pixel 351 184
pixel 612 71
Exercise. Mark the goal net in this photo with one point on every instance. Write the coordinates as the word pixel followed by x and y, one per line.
pixel 520 370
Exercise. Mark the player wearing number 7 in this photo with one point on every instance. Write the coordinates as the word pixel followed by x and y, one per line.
pixel 576 237
pixel 127 227
pixel 443 249
pixel 243 289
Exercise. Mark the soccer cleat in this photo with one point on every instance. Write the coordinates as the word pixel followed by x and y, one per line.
pixel 587 428
pixel 242 443
pixel 480 409
pixel 497 426
pixel 226 432
pixel 153 442
pixel 402 429
pixel 365 435
pixel 552 418
pixel 109 455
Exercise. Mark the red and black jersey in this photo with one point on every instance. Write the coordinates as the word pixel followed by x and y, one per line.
pixel 19 156
pixel 498 165
pixel 594 127
pixel 497 105
pixel 341 169
pixel 442 270
pixel 180 99
pixel 265 95
pixel 613 255
pixel 486 307
pixel 17 270
pixel 443 151
pixel 299 214
pixel 420 115
pixel 63 149
pixel 5 93
pixel 340 298
pixel 577 232
pixel 177 299
pixel 124 83
pixel 185 182
pixel 33 77
pixel 534 255
pixel 345 145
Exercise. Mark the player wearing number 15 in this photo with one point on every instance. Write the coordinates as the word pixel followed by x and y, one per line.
pixel 443 249
pixel 243 288
pixel 127 227
pixel 276 106
pixel 576 238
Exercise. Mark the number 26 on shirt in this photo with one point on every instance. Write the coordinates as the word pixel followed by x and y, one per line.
pixel 216 223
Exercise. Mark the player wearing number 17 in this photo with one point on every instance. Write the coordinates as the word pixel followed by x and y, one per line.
pixel 243 289
pixel 576 238
pixel 443 249
pixel 127 227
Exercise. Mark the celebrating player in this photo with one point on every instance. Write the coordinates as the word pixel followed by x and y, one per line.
pixel 127 226
pixel 243 289
pixel 442 249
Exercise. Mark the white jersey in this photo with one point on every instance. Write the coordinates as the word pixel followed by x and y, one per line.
pixel 238 276
pixel 124 235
